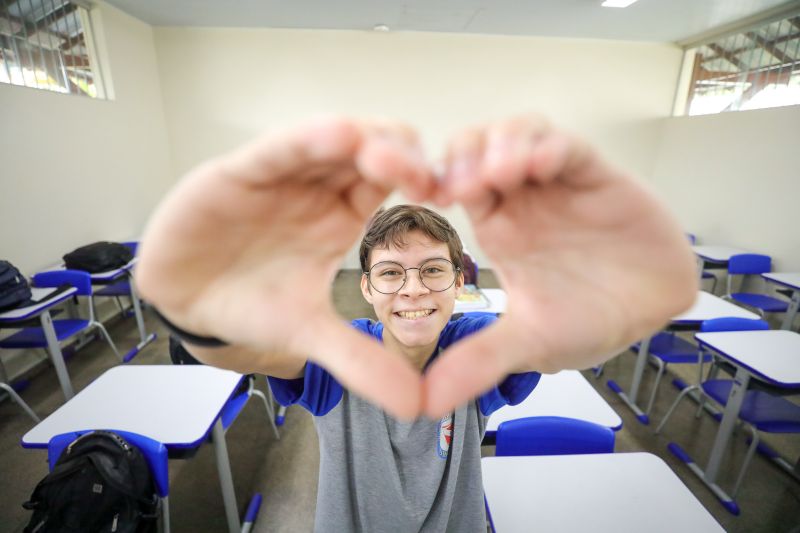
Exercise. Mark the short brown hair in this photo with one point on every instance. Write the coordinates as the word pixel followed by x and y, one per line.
pixel 390 226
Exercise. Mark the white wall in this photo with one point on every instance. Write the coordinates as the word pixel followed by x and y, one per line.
pixel 223 86
pixel 75 169
pixel 734 178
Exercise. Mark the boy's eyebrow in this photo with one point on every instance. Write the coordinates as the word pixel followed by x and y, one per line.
pixel 421 263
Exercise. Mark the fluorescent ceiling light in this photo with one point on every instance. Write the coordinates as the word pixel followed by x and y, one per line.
pixel 617 3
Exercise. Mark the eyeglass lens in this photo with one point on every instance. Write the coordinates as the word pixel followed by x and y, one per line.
pixel 389 277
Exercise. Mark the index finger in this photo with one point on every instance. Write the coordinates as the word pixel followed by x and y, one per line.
pixel 382 152
pixel 472 367
pixel 364 366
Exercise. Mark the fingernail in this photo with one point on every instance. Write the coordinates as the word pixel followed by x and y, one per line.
pixel 462 174
pixel 497 153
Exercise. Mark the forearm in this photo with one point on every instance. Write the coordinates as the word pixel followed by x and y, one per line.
pixel 247 361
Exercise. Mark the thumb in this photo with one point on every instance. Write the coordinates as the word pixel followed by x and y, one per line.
pixel 362 365
pixel 470 368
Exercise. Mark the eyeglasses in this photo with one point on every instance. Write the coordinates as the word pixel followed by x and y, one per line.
pixel 388 277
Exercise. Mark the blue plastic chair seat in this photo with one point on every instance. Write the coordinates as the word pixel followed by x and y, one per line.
pixel 761 301
pixel 121 288
pixel 673 349
pixel 34 337
pixel 708 275
pixel 766 412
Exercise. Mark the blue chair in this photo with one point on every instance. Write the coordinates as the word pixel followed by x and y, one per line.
pixel 753 264
pixel 4 385
pixel 552 435
pixel 155 453
pixel 667 348
pixel 34 337
pixel 761 411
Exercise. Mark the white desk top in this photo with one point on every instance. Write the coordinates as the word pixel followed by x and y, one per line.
pixel 566 394
pixel 613 492
pixel 770 355
pixel 175 405
pixel 41 296
pixel 106 276
pixel 708 306
pixel 718 254
pixel 789 279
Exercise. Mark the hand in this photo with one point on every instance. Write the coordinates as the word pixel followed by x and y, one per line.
pixel 245 248
pixel 590 259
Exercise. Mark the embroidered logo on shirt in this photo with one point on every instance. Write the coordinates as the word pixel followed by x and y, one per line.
pixel 445 436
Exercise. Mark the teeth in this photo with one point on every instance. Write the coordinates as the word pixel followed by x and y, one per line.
pixel 411 315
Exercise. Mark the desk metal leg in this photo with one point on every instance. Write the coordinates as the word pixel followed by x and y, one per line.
pixel 55 354
pixel 726 427
pixel 6 386
pixel 729 418
pixel 165 527
pixel 638 372
pixel 144 338
pixel 225 477
pixel 788 319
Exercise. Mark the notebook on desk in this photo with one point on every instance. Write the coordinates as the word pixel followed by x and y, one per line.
pixel 471 299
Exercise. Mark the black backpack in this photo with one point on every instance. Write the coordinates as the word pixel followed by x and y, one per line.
pixel 14 289
pixel 100 483
pixel 98 257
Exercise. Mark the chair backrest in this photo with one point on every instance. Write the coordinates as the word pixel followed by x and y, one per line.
pixel 56 278
pixel 733 324
pixel 470 270
pixel 133 246
pixel 154 452
pixel 552 435
pixel 749 264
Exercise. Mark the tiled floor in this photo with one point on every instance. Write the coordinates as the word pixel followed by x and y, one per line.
pixel 285 470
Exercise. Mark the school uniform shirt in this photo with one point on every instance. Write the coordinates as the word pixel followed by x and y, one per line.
pixel 379 474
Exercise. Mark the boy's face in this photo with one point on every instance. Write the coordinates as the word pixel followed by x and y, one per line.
pixel 434 309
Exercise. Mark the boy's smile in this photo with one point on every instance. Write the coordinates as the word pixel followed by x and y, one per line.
pixel 414 316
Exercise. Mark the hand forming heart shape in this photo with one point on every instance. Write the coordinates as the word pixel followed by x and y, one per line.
pixel 246 246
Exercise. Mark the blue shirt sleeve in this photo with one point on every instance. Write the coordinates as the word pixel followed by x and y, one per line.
pixel 512 390
pixel 317 391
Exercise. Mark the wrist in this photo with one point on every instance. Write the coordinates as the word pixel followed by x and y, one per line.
pixel 189 337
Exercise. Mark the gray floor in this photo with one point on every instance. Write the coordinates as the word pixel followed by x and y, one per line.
pixel 285 470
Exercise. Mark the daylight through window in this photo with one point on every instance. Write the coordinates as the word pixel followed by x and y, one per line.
pixel 47 44
pixel 754 69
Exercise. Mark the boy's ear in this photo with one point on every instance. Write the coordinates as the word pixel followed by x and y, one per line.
pixel 366 290
pixel 459 284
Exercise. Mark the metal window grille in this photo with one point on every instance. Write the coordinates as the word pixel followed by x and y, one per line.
pixel 752 69
pixel 47 44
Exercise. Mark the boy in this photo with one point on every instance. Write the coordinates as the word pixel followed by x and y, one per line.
pixel 378 473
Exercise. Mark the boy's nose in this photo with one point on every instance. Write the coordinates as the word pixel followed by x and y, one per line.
pixel 413 285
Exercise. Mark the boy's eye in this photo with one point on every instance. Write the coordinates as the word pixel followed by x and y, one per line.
pixel 433 270
pixel 390 273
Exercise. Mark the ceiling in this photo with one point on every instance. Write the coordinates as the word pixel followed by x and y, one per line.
pixel 646 20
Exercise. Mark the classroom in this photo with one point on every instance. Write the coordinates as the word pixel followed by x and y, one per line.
pixel 112 106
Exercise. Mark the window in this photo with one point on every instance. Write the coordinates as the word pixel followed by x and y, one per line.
pixel 753 69
pixel 47 44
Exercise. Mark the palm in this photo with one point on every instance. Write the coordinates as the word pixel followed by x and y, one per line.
pixel 576 262
pixel 266 275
